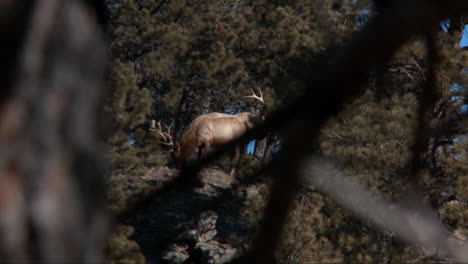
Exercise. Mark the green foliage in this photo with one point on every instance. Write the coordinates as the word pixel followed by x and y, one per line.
pixel 451 183
pixel 129 107
pixel 125 191
pixel 219 49
pixel 214 52
pixel 122 250
pixel 372 141
pixel 254 201
pixel 371 138
pixel 248 169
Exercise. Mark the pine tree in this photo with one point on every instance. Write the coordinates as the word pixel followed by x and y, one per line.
pixel 372 140
pixel 130 107
pixel 203 56
pixel 175 60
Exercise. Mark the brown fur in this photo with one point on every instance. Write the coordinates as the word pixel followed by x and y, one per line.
pixel 213 129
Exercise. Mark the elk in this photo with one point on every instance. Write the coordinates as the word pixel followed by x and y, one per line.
pixel 214 129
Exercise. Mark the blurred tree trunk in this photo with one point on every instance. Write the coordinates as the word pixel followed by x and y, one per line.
pixel 13 21
pixel 52 195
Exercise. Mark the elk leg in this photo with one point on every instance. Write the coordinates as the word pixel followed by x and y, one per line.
pixel 206 150
pixel 200 151
pixel 235 160
pixel 242 149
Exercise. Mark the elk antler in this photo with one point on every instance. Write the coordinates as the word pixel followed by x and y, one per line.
pixel 166 136
pixel 255 96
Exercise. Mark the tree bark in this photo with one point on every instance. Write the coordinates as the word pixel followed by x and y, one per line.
pixel 270 148
pixel 190 107
pixel 260 148
pixel 181 111
pixel 446 113
pixel 53 204
pixel 456 25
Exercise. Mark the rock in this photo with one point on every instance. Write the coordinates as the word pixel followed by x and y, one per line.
pixel 205 248
pixel 214 252
pixel 177 254
pixel 460 234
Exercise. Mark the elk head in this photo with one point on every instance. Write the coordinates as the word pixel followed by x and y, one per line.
pixel 166 138
pixel 255 119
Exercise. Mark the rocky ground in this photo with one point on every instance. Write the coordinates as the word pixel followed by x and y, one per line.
pixel 203 225
pixel 213 224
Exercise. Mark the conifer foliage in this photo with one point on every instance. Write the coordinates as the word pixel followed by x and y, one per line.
pixel 130 106
pixel 196 57
pixel 175 60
